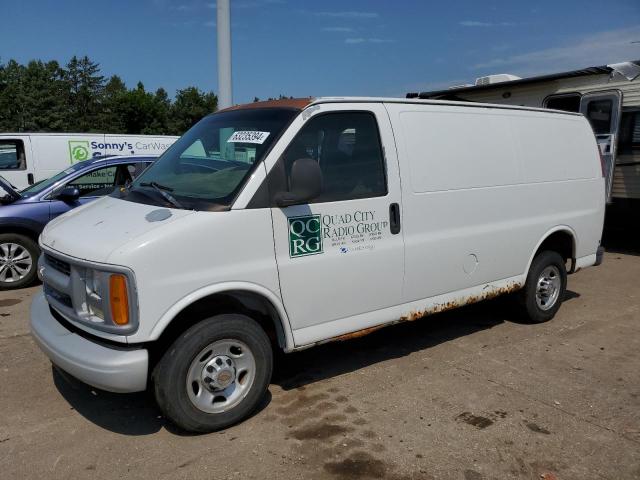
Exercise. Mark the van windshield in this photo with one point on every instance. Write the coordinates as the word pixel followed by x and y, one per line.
pixel 208 165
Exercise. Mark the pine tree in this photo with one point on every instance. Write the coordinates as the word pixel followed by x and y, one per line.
pixel 85 90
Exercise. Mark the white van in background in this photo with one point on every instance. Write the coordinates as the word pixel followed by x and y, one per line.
pixel 340 216
pixel 26 158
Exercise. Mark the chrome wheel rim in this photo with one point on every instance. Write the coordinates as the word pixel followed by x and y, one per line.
pixel 548 287
pixel 15 262
pixel 221 376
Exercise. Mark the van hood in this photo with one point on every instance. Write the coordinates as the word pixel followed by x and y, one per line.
pixel 93 231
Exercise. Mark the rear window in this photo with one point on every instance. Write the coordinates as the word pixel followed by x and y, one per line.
pixel 629 139
pixel 599 115
pixel 12 155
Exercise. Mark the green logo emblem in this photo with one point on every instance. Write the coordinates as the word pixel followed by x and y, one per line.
pixel 78 150
pixel 305 236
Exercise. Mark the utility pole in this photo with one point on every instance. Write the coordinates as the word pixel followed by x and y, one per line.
pixel 225 95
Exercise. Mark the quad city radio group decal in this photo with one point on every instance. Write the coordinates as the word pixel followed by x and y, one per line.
pixel 346 233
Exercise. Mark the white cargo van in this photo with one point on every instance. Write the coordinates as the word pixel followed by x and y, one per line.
pixel 281 225
pixel 26 158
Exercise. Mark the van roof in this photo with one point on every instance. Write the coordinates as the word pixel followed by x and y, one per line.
pixel 295 103
pixel 77 134
pixel 303 103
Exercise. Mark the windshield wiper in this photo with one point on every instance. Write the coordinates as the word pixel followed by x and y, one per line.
pixel 163 190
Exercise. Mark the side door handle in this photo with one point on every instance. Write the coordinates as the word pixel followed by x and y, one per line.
pixel 394 218
pixel 30 178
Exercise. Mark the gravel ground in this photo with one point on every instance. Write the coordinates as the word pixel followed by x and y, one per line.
pixel 469 394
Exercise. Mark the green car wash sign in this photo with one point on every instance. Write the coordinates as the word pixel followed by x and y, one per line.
pixel 78 150
pixel 305 237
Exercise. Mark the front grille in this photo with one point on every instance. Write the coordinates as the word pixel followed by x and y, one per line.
pixel 63 298
pixel 58 264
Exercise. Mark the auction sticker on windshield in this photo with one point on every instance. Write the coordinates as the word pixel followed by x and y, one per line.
pixel 248 137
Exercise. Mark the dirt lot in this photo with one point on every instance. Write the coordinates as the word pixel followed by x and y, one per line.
pixel 470 394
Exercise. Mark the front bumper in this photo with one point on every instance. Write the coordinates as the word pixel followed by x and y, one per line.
pixel 106 368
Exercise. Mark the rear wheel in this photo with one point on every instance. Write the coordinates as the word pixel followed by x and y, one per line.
pixel 215 374
pixel 18 261
pixel 545 288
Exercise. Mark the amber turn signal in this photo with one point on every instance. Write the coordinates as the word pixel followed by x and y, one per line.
pixel 119 299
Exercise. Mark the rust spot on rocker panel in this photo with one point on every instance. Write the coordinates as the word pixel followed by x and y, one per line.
pixel 357 333
pixel 488 293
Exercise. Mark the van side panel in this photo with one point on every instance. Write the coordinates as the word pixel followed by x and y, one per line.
pixel 555 147
pixel 53 153
pixel 477 197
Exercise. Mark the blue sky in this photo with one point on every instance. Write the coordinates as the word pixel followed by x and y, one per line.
pixel 314 48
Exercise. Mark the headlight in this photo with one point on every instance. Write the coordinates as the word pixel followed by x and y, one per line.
pixel 107 297
pixel 94 282
pixel 102 297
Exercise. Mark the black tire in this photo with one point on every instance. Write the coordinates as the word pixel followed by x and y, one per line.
pixel 171 373
pixel 11 281
pixel 535 313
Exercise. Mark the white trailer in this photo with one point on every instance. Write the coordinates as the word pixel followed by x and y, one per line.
pixel 609 96
pixel 26 158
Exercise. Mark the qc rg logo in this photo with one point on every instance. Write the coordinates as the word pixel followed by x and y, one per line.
pixel 304 236
pixel 78 150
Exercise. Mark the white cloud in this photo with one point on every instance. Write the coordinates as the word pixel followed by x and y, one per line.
pixel 337 29
pixel 589 50
pixel 475 23
pixel 348 14
pixel 355 41
pixel 210 24
pixel 182 7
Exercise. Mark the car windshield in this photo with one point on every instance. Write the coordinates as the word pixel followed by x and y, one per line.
pixel 208 165
pixel 42 185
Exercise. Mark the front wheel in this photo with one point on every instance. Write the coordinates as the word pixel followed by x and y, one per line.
pixel 18 261
pixel 215 374
pixel 545 288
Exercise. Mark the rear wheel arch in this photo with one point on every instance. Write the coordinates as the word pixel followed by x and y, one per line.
pixel 246 301
pixel 560 239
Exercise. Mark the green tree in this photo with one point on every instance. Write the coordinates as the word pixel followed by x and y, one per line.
pixel 11 98
pixel 113 96
pixel 43 96
pixel 189 107
pixel 85 87
pixel 32 97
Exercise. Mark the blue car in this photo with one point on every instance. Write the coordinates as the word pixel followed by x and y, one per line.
pixel 24 213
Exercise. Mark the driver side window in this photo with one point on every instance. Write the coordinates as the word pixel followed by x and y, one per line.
pixel 347 147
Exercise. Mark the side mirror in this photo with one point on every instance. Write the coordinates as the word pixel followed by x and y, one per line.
pixel 69 194
pixel 306 183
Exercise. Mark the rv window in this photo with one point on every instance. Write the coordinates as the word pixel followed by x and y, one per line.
pixel 347 147
pixel 599 115
pixel 567 103
pixel 12 155
pixel 629 140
